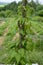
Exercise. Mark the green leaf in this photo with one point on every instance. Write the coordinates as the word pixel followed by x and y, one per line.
pixel 21 52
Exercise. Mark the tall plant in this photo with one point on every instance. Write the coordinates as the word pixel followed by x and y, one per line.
pixel 21 24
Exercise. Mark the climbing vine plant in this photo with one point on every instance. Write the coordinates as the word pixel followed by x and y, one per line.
pixel 22 22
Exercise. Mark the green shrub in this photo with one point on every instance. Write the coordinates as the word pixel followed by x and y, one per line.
pixel 40 13
pixel 2 14
pixel 35 57
pixel 7 13
pixel 38 19
pixel 39 7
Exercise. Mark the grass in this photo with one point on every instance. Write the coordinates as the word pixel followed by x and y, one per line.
pixel 2 27
pixel 34 45
pixel 2 5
